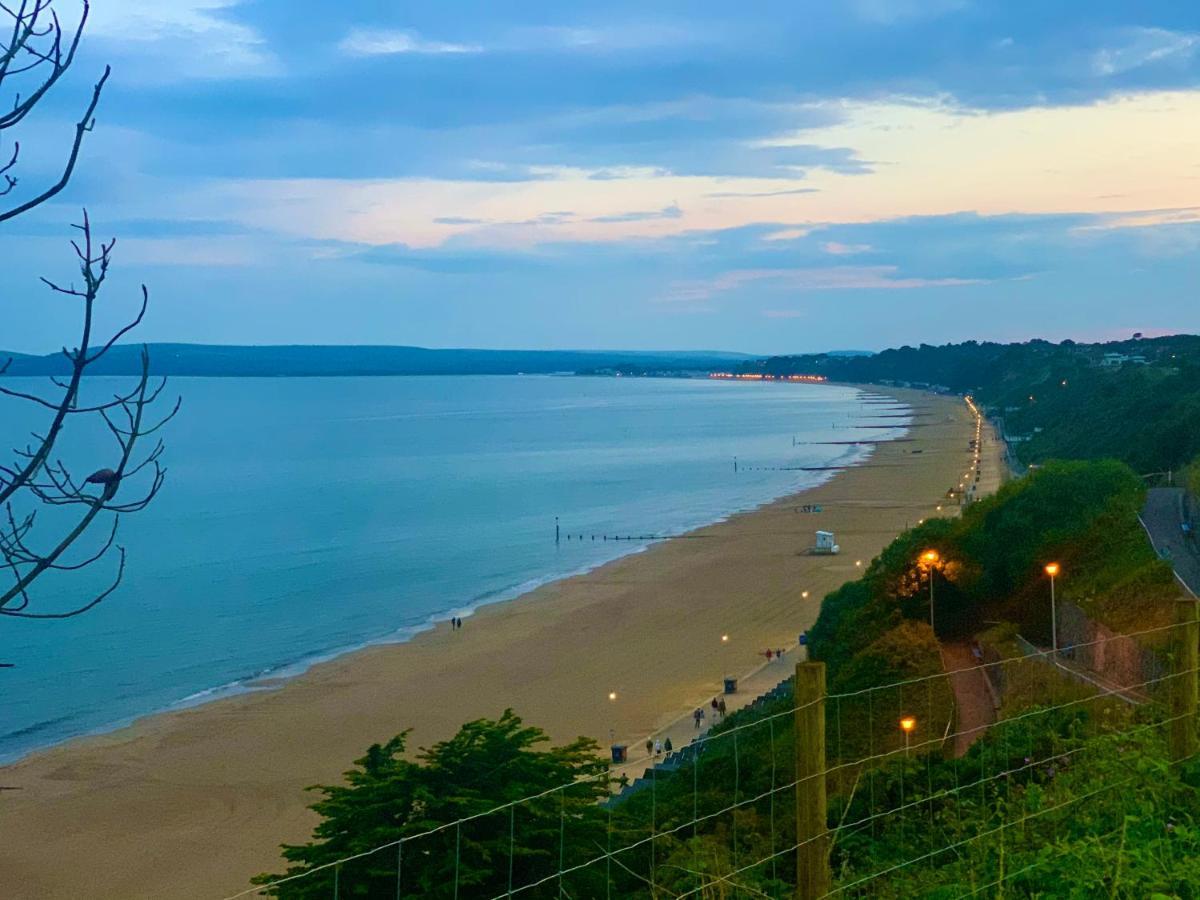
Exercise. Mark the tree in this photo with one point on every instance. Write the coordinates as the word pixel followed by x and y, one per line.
pixel 462 811
pixel 35 51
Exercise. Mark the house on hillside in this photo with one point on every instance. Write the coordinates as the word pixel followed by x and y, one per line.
pixel 1116 360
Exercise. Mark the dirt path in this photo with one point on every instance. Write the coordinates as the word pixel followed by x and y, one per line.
pixel 971 695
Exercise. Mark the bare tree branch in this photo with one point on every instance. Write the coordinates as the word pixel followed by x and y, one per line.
pixel 42 42
pixel 35 51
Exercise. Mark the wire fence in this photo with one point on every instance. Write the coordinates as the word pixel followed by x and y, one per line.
pixel 924 788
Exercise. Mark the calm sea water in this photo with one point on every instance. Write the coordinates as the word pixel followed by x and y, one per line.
pixel 306 517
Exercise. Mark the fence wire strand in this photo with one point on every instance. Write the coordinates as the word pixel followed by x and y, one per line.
pixel 870 762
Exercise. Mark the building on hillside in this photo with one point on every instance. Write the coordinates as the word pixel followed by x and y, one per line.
pixel 1116 360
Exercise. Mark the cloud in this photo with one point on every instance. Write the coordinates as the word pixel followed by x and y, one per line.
pixel 1145 219
pixel 838 278
pixel 836 248
pixel 388 42
pixel 787 234
pixel 667 212
pixel 1140 47
pixel 784 193
pixel 183 38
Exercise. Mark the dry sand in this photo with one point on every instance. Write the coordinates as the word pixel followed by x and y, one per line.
pixel 190 804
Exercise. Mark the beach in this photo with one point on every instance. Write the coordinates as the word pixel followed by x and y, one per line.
pixel 193 803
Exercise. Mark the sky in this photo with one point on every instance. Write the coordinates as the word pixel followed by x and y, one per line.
pixel 770 177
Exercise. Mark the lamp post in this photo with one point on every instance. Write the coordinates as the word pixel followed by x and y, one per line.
pixel 1052 569
pixel 930 558
pixel 724 660
pixel 907 724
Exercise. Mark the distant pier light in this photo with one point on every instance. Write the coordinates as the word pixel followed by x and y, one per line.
pixel 763 376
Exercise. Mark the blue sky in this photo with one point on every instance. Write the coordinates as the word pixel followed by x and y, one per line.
pixel 771 177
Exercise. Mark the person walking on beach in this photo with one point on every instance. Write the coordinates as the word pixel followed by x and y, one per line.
pixel 658 748
pixel 716 706
pixel 649 746
pixel 721 707
pixel 697 715
pixel 667 746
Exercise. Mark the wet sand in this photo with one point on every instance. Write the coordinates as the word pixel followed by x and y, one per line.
pixel 190 804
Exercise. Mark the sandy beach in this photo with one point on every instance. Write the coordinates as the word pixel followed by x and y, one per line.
pixel 190 804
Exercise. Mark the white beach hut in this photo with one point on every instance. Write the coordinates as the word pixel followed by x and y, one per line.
pixel 825 543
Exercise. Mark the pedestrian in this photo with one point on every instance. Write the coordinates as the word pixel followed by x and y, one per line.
pixel 667 745
pixel 697 715
pixel 770 653
pixel 779 654
pixel 715 706
pixel 649 746
pixel 658 748
pixel 721 707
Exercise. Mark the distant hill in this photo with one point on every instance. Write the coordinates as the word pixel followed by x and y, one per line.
pixel 314 360
pixel 1137 400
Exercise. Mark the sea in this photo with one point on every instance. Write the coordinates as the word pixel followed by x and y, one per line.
pixel 303 518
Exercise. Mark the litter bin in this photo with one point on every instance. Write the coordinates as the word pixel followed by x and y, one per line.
pixel 731 685
pixel 620 753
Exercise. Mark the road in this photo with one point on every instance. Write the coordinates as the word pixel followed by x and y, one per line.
pixel 973 700
pixel 1162 517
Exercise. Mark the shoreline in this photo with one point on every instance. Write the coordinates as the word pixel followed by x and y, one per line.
pixel 277 677
pixel 192 802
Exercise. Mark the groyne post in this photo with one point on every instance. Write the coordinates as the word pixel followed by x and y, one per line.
pixel 1184 686
pixel 812 842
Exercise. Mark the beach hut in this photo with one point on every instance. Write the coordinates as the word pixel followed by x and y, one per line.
pixel 826 544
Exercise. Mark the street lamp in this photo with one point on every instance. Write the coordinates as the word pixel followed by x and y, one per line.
pixel 1052 569
pixel 930 558
pixel 908 725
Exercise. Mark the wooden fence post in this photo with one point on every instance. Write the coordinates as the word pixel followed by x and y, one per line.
pixel 812 851
pixel 1184 685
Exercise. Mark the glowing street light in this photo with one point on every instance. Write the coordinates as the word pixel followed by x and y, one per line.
pixel 612 724
pixel 931 558
pixel 1052 569
pixel 908 724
